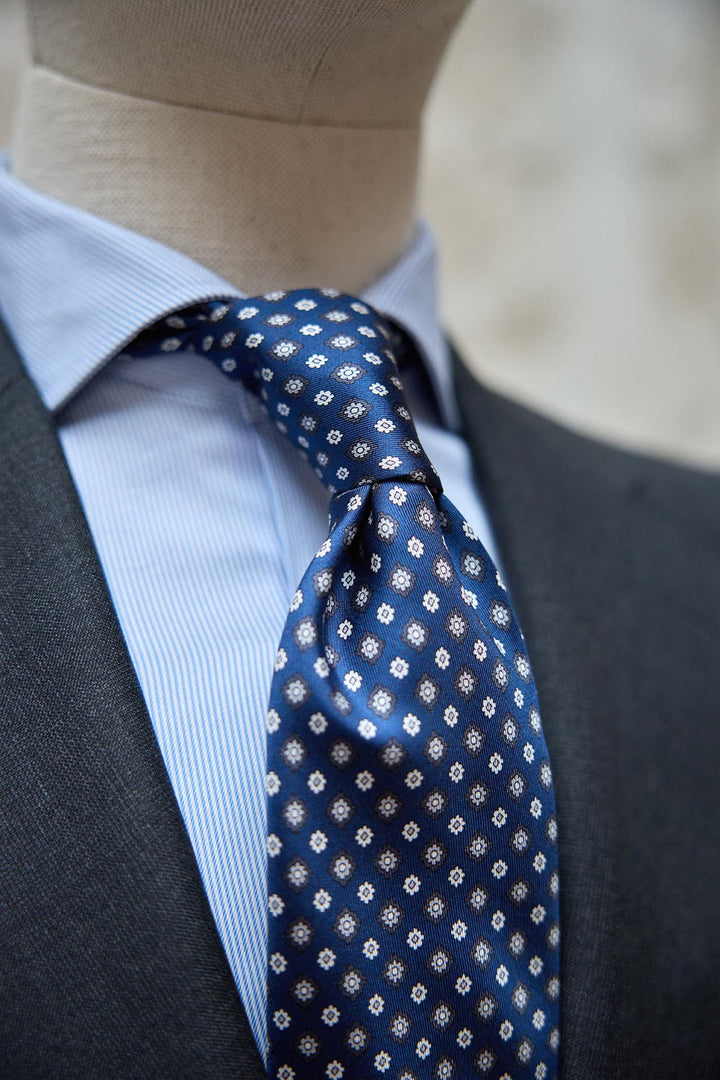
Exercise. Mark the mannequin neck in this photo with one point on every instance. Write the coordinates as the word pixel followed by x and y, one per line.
pixel 277 143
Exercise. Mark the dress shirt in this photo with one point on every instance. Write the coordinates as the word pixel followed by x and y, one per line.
pixel 204 516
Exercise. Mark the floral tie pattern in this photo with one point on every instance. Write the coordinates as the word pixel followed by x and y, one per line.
pixel 412 839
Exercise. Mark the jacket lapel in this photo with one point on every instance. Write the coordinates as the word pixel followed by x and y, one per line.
pixel 612 564
pixel 112 964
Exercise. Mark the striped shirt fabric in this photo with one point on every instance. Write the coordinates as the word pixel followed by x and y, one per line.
pixel 203 515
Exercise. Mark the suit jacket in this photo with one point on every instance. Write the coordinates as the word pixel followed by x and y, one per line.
pixel 110 964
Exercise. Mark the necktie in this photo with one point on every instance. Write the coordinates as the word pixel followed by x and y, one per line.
pixel 412 840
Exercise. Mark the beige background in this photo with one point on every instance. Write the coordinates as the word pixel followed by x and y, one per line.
pixel 573 177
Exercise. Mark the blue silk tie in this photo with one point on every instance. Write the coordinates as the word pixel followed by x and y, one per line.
pixel 412 839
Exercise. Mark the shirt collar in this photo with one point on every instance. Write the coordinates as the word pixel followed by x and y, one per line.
pixel 75 290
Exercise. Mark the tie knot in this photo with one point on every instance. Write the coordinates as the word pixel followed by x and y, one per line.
pixel 326 367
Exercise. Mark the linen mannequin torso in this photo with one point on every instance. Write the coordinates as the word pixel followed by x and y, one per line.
pixel 190 122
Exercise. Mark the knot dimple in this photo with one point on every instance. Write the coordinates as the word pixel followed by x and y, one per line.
pixel 324 364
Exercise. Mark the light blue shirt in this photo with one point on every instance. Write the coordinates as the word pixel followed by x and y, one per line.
pixel 204 517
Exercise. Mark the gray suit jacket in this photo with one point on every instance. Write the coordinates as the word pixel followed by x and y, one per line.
pixel 110 964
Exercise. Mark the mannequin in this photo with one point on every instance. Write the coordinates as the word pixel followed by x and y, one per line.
pixel 257 137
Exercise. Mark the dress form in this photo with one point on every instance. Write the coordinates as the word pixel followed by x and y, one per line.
pixel 276 143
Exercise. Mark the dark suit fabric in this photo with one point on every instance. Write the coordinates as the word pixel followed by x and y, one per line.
pixel 110 965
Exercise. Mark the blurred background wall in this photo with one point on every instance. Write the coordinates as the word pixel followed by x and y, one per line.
pixel 572 174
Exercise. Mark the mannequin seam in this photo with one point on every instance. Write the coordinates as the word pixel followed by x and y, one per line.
pixel 259 117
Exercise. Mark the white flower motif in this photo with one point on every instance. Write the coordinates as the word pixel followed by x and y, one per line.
pixel 316 782
pixel 499 817
pixel 385 613
pixel 345 629
pixel 415 547
pixel 318 841
pixel 371 949
pixel 502 975
pixel 276 904
pixel 317 723
pixel 459 930
pixel 321 667
pixel 451 715
pixel 310 329
pixel 323 397
pixel 539 862
pixel 384 425
pixel 274 845
pixel 376 1004
pixel 306 304
pixel 480 650
pixel 283 409
pixel 390 462
pixel 442 658
pixel 366 892
pixel 464 1038
pixel 326 959
pixel 375 562
pixel 273 721
pixel 367 729
pixel 378 388
pixel 414 779
pixel 278 963
pixel 538 914
pixel 322 900
pixel 364 836
pixel 499 869
pixel 411 724
pixel 456 824
pixel 506 1029
pixel 536 808
pixel 415 938
pixel 456 772
pixel 372 358
pixel 518 698
pixel 498 921
pixel 488 707
pixel 342 473
pixel 281 1019
pixel 334 436
pixel 411 885
pixel 463 985
pixel 456 876
pixel 296 600
pixel 272 783
pixel 528 753
pixel 536 966
pixel 411 831
pixel 364 780
pixel 469 531
pixel 330 1016
pixel 431 601
pixel 399 668
pixel 495 763
pixel 366 331
pixel 382 1061
pixel 353 680
pixel 247 312
pixel 423 1047
pixel 253 340
pixel 397 495
pixel 324 548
